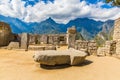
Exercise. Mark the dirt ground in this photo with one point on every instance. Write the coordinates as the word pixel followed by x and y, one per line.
pixel 19 65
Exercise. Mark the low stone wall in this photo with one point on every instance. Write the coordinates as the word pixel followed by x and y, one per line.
pixel 108 49
pixel 89 46
pixel 92 47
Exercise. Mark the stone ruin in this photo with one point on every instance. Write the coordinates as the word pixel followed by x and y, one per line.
pixel 88 46
pixel 108 49
pixel 116 35
pixel 7 38
pixel 50 56
pixel 112 47
pixel 23 40
pixel 24 43
pixel 71 37
pixel 81 49
pixel 47 41
pixel 5 34
pixel 33 41
pixel 54 39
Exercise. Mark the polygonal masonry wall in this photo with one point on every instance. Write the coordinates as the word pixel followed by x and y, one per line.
pixel 116 35
pixel 5 34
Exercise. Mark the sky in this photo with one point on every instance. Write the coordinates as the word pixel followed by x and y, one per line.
pixel 62 11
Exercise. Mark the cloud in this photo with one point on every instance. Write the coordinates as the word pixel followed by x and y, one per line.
pixel 60 10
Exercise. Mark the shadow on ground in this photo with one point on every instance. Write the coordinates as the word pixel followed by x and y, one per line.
pixel 86 62
pixel 55 67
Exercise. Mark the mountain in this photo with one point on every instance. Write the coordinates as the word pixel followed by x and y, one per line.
pixel 49 26
pixel 16 25
pixel 87 27
pixel 106 33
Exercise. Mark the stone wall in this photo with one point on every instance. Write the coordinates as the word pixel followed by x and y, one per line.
pixel 118 47
pixel 89 46
pixel 92 47
pixel 5 34
pixel 116 35
pixel 108 49
pixel 33 39
pixel 79 44
pixel 55 39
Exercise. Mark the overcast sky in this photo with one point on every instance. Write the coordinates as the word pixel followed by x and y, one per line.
pixel 60 10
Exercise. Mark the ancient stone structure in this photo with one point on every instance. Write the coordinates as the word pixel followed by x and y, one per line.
pixel 43 39
pixel 116 35
pixel 24 41
pixel 79 44
pixel 108 49
pixel 71 37
pixel 118 47
pixel 92 47
pixel 54 39
pixel 33 39
pixel 5 34
pixel 13 45
pixel 112 47
pixel 51 57
pixel 88 46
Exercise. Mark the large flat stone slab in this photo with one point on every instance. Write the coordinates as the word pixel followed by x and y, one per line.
pixel 77 57
pixel 52 57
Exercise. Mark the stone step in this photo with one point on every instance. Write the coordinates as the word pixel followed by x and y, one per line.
pixel 41 48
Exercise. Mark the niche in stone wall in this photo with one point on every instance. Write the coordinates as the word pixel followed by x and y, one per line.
pixel 62 38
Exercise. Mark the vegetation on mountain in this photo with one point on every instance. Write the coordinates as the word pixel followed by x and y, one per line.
pixel 106 33
pixel 88 28
pixel 114 2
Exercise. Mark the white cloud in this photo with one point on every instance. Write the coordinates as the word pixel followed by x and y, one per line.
pixel 61 10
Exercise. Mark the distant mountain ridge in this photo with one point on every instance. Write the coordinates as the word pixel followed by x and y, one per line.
pixel 106 33
pixel 87 27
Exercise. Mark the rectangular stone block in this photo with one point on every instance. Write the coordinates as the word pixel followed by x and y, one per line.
pixel 24 41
